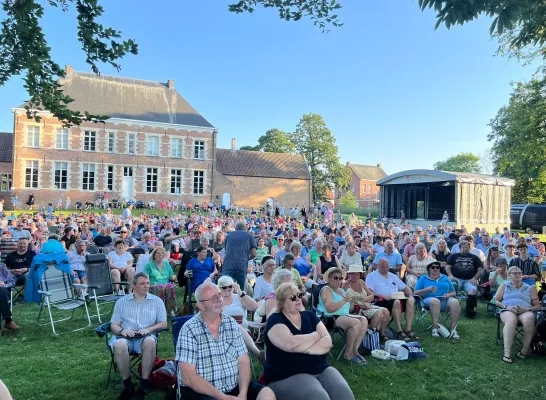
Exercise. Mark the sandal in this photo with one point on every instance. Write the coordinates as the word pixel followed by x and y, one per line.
pixel 384 338
pixel 412 335
pixel 507 360
pixel 402 336
pixel 355 360
pixel 521 355
pixel 362 359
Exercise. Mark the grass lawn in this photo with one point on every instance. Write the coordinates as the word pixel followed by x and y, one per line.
pixel 38 365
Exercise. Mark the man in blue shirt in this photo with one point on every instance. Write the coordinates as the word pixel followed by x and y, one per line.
pixel 394 258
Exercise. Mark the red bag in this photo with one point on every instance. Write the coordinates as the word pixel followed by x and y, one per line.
pixel 160 378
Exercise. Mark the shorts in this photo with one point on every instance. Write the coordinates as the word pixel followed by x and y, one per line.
pixel 79 275
pixel 133 344
pixel 466 284
pixel 254 388
pixel 443 303
pixel 388 304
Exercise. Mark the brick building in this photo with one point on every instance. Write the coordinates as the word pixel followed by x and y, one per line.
pixel 252 178
pixel 6 166
pixel 154 146
pixel 363 183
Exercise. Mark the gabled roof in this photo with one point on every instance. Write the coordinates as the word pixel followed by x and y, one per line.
pixel 6 147
pixel 368 172
pixel 261 164
pixel 127 98
pixel 432 175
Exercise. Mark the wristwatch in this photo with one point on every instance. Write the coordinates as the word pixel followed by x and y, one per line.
pixel 121 330
pixel 243 294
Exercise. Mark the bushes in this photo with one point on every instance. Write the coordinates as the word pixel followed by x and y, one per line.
pixel 361 212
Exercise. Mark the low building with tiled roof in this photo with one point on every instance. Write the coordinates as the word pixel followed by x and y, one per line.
pixel 252 178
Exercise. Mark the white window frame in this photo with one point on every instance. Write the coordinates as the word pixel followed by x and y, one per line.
pixel 174 179
pixel 56 168
pixel 149 183
pixel 177 150
pixel 88 135
pixel 111 142
pixel 150 142
pixel 6 182
pixel 198 152
pixel 110 175
pixel 62 138
pixel 203 176
pixel 91 185
pixel 32 138
pixel 131 142
pixel 34 182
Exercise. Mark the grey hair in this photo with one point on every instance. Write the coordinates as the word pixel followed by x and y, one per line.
pixel 419 245
pixel 279 277
pixel 294 245
pixel 201 288
pixel 240 226
pixel 139 275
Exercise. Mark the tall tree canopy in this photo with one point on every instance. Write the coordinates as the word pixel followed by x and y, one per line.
pixel 518 133
pixel 462 162
pixel 316 142
pixel 273 141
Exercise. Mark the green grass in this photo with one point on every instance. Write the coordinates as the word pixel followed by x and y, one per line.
pixel 38 365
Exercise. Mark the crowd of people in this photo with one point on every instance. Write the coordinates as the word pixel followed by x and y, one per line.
pixel 263 266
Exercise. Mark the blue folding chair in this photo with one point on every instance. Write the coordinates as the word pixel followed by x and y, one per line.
pixel 177 324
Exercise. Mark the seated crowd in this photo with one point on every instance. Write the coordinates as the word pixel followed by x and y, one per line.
pixel 366 274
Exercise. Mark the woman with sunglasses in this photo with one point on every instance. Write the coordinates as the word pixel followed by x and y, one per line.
pixel 334 302
pixel 438 294
pixel 297 345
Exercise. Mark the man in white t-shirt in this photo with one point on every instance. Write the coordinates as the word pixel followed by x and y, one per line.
pixel 127 215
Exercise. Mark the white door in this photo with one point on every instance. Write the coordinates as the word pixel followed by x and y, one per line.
pixel 226 199
pixel 128 183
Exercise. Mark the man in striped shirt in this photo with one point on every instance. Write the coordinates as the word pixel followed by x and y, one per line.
pixel 529 267
pixel 136 318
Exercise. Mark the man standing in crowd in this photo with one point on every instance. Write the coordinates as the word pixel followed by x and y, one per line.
pixel 240 247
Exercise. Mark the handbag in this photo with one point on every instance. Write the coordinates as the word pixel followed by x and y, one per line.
pixel 370 342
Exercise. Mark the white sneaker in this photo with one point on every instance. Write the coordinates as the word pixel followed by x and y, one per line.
pixel 454 335
pixel 435 332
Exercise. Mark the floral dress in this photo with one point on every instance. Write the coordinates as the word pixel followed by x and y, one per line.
pixel 366 309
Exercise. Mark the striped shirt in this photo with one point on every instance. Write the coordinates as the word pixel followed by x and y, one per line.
pixel 134 315
pixel 528 267
pixel 215 360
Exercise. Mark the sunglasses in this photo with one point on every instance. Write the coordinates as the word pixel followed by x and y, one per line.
pixel 296 296
pixel 226 287
pixel 337 278
pixel 434 267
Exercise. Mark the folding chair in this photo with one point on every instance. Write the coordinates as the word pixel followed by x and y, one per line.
pixel 423 312
pixel 135 252
pixel 177 324
pixel 99 282
pixel 58 292
pixel 103 331
pixel 92 249
pixel 328 321
pixel 519 328
pixel 15 293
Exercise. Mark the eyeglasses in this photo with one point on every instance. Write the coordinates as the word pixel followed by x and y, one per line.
pixel 434 267
pixel 226 287
pixel 296 296
pixel 215 299
pixel 515 273
pixel 337 278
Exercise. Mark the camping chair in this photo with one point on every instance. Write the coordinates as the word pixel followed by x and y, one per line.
pixel 92 249
pixel 422 311
pixel 99 281
pixel 16 292
pixel 58 292
pixel 135 252
pixel 328 321
pixel 519 328
pixel 177 324
pixel 103 331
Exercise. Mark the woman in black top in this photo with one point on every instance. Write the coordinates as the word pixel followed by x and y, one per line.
pixel 441 253
pixel 297 345
pixel 326 261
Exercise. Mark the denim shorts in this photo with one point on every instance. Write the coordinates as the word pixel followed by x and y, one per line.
pixel 443 303
pixel 79 275
pixel 133 344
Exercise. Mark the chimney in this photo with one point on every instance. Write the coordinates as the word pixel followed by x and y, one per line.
pixel 170 84
pixel 68 69
pixel 233 144
pixel 378 165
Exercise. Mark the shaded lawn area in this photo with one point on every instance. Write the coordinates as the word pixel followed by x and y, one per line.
pixel 38 365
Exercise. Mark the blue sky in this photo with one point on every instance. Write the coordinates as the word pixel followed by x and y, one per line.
pixel 392 89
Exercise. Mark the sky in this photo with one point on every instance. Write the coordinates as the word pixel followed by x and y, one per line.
pixel 392 90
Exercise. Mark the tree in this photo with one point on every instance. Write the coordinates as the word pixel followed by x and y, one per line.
pixel 347 199
pixel 316 142
pixel 24 48
pixel 273 141
pixel 462 162
pixel 518 133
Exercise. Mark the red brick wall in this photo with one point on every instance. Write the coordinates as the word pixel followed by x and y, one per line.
pixel 47 154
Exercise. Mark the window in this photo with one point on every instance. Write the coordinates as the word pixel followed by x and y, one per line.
pixel 110 177
pixel 199 150
pixel 88 176
pixel 31 174
pixel 198 182
pixel 61 175
pixel 33 136
pixel 61 139
pixel 176 181
pixel 364 188
pixel 5 182
pixel 151 180
pixel 111 142
pixel 89 141
pixel 176 148
pixel 152 146
pixel 131 143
